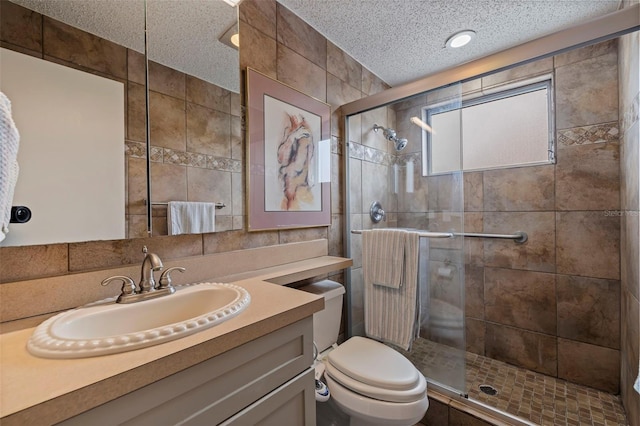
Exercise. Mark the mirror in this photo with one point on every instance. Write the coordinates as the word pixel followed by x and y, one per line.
pixel 105 40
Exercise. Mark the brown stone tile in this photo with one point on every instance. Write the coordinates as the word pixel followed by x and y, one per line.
pixel 335 236
pixel 258 51
pixel 137 225
pixel 300 37
pixel 437 414
pixel 371 83
pixel 589 310
pixel 473 191
pixel 473 247
pixel 81 48
pixel 587 52
pixel 523 348
pixel 237 146
pixel 343 66
pixel 446 192
pixel 474 335
pixel 630 342
pixel 355 185
pixel 585 135
pixel 375 186
pixel 210 186
pixel 28 262
pixel 168 182
pixel 223 223
pixel 301 73
pixel 630 253
pixel 588 244
pixel 522 299
pixel 104 254
pixel 339 93
pixel 303 234
pixel 208 131
pixel 369 137
pixel 135 66
pixel 166 80
pixel 630 398
pixel 136 186
pixel 20 26
pixel 474 291
pixel 237 240
pixel 458 418
pixel 588 177
pixel 519 189
pixel 167 120
pixel 587 92
pixel 208 95
pixel 537 254
pixel 136 112
pixel 260 14
pixel 541 66
pixel 589 365
pixel 237 194
pixel 236 104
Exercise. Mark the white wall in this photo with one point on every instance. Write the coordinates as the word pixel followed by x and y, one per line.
pixel 71 154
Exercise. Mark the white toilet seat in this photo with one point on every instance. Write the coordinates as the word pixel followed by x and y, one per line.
pixel 375 370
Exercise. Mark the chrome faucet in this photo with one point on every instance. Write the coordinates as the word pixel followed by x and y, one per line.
pixel 147 288
pixel 150 263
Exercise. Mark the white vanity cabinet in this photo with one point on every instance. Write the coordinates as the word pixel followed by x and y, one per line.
pixel 267 381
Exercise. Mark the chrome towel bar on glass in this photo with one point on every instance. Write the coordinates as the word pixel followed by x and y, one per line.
pixel 519 236
pixel 153 203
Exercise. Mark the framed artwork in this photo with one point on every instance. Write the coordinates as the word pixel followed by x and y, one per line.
pixel 286 131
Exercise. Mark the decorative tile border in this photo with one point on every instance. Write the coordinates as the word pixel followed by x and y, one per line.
pixel 599 133
pixel 183 158
pixel 372 155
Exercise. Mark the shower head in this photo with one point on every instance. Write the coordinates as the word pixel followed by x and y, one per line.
pixel 390 135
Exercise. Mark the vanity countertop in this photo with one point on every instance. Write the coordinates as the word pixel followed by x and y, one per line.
pixel 44 391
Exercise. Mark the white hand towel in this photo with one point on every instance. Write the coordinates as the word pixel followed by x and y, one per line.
pixel 9 142
pixel 383 252
pixel 391 313
pixel 184 217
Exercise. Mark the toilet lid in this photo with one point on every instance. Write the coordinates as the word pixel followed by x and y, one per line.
pixel 375 364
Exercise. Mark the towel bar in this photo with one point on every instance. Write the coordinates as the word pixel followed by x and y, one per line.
pixel 519 236
pixel 153 203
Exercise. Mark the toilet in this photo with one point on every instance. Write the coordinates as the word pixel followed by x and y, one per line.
pixel 369 381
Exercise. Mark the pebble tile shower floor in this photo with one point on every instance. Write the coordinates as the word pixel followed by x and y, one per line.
pixel 531 396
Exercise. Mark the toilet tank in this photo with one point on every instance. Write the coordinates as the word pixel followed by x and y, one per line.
pixel 326 323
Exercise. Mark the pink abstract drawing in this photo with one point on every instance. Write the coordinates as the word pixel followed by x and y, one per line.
pixel 295 157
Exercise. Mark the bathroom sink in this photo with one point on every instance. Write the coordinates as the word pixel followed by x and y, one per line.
pixel 106 327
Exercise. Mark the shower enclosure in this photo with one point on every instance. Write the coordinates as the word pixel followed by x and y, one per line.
pixel 523 294
pixel 386 173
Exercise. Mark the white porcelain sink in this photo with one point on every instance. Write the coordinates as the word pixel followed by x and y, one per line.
pixel 106 327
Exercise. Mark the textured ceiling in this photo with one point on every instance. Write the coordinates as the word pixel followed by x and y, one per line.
pixel 183 34
pixel 403 40
pixel 398 40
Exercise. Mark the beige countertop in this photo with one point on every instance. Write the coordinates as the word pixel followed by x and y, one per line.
pixel 44 391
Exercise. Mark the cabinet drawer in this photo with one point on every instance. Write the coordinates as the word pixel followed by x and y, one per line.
pixel 292 404
pixel 220 386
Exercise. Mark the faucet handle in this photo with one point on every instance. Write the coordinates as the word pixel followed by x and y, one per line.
pixel 165 278
pixel 128 286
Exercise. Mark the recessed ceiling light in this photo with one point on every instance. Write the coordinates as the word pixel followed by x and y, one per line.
pixel 460 39
pixel 232 3
pixel 231 37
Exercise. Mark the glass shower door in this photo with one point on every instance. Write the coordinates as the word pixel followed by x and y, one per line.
pixel 419 187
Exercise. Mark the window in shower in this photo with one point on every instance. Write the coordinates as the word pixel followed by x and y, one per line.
pixel 504 128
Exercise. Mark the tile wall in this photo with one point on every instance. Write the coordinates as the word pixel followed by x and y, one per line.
pixel 551 305
pixel 629 76
pixel 184 152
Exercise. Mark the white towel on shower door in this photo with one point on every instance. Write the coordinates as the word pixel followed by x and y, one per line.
pixel 184 217
pixel 390 314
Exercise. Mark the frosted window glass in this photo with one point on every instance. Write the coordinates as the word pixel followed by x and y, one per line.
pixel 503 132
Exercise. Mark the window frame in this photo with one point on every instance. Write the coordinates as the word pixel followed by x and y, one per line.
pixel 494 94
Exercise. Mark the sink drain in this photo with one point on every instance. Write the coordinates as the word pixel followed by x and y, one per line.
pixel 489 390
